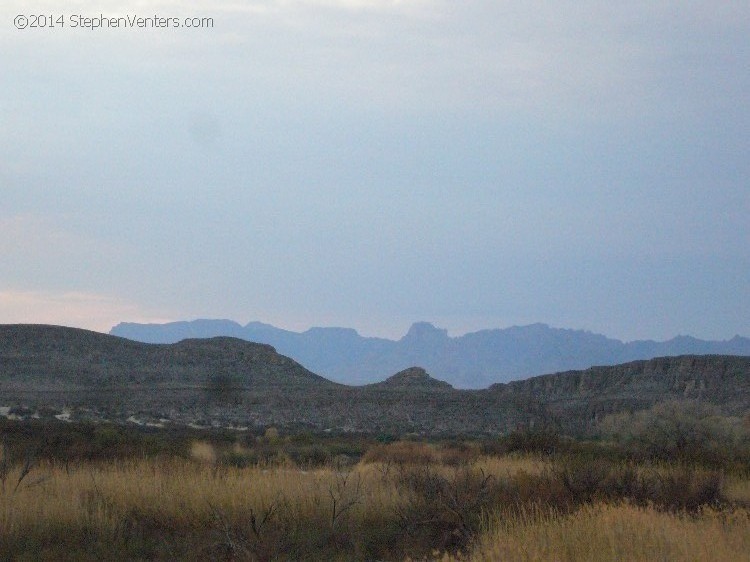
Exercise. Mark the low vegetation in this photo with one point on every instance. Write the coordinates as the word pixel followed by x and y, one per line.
pixel 605 531
pixel 110 492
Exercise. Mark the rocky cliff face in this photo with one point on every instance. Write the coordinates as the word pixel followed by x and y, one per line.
pixel 578 398
pixel 713 378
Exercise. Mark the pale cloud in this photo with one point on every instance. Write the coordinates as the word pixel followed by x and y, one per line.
pixel 369 5
pixel 146 7
pixel 23 232
pixel 83 310
pixel 34 235
pixel 558 60
pixel 60 252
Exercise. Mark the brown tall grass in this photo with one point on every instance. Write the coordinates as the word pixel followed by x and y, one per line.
pixel 402 500
pixel 189 510
pixel 606 532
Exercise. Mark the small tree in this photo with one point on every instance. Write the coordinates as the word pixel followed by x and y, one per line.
pixel 675 430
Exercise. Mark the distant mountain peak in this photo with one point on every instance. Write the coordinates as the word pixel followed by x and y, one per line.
pixel 425 331
pixel 256 324
pixel 473 360
pixel 333 331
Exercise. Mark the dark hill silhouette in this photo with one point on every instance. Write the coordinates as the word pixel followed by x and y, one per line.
pixel 474 360
pixel 34 355
pixel 225 381
pixel 414 379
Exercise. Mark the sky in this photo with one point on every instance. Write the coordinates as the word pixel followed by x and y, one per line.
pixel 369 164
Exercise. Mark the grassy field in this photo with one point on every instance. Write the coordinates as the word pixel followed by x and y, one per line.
pixel 605 531
pixel 223 496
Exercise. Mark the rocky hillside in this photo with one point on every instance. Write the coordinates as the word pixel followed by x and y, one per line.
pixel 475 360
pixel 35 357
pixel 578 398
pixel 48 370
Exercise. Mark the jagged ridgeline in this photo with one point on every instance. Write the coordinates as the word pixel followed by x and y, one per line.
pixel 223 381
pixel 474 360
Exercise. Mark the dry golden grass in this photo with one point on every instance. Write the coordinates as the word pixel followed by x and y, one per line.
pixel 173 488
pixel 603 532
pixel 178 486
pixel 510 465
pixel 202 451
pixel 408 453
pixel 183 497
pixel 187 495
pixel 196 510
pixel 738 490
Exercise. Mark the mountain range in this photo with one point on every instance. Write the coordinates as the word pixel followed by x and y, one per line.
pixel 474 360
pixel 70 373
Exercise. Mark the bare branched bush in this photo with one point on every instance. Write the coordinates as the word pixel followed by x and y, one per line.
pixel 345 493
pixel 444 509
pixel 27 463
pixel 673 488
pixel 239 539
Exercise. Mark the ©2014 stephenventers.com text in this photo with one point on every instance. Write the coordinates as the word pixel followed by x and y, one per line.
pixel 79 21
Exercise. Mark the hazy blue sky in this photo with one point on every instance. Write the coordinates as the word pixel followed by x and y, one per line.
pixel 371 163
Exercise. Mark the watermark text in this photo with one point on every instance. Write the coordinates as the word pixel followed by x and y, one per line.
pixel 100 22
